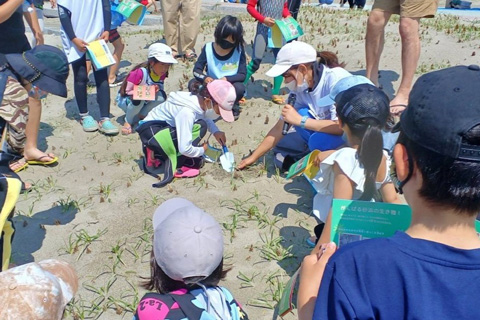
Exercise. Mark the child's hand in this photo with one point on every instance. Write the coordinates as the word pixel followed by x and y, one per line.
pixel 223 78
pixel 105 35
pixel 269 22
pixel 157 87
pixel 220 136
pixel 311 275
pixel 80 44
pixel 205 147
pixel 53 3
pixel 208 80
pixel 318 159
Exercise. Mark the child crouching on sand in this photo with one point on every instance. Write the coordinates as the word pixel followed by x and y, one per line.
pixel 173 129
pixel 186 267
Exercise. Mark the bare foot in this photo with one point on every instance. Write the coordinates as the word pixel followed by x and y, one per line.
pixel 398 104
pixel 19 165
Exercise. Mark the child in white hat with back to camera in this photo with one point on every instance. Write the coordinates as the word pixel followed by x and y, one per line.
pixel 152 72
pixel 186 267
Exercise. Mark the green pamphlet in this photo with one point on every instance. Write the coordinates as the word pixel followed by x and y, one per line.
pixel 285 303
pixel 133 11
pixel 305 166
pixel 354 220
pixel 284 30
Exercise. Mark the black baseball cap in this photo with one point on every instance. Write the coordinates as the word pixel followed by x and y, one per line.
pixel 363 101
pixel 443 106
pixel 44 66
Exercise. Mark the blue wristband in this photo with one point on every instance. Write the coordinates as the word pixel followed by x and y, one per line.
pixel 302 123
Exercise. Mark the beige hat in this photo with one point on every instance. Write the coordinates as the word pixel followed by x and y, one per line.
pixel 37 291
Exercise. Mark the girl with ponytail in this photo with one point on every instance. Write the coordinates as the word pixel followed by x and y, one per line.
pixel 360 169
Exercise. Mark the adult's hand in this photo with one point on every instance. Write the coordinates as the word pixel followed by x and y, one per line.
pixel 313 267
pixel 248 161
pixel 269 22
pixel 80 44
pixel 291 115
pixel 53 3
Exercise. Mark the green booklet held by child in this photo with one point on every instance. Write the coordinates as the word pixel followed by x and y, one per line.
pixel 305 166
pixel 284 30
pixel 133 11
pixel 352 221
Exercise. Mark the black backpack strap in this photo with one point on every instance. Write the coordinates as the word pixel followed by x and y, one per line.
pixel 189 309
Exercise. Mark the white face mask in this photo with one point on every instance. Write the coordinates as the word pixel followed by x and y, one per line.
pixel 210 113
pixel 292 85
pixel 303 86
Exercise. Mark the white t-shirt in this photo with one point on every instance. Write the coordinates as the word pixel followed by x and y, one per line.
pixel 182 110
pixel 87 22
pixel 323 182
pixel 310 99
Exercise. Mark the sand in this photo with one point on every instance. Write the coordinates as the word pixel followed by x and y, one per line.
pixel 94 209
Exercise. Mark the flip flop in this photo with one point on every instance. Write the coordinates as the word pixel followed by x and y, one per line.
pixel 22 162
pixel 186 172
pixel 278 100
pixel 39 161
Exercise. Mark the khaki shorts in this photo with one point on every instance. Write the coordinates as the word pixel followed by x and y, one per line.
pixel 408 8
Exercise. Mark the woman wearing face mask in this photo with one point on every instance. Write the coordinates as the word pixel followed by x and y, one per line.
pixel 224 59
pixel 186 116
pixel 310 75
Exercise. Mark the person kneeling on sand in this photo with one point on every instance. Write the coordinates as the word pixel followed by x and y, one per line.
pixel 310 76
pixel 429 271
pixel 186 266
pixel 25 79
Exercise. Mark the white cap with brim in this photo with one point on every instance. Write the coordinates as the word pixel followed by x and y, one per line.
pixel 291 54
pixel 342 85
pixel 161 52
pixel 187 241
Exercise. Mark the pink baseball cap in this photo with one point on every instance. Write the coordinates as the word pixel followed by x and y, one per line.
pixel 224 94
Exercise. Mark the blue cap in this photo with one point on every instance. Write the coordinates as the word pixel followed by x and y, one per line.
pixel 342 85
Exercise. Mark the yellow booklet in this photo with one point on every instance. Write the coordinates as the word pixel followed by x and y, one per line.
pixel 100 54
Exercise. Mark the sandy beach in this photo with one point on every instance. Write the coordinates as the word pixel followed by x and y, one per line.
pixel 94 208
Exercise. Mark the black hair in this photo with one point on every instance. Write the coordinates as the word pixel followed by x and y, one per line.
pixel 198 88
pixel 230 26
pixel 145 65
pixel 370 150
pixel 162 283
pixel 447 182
